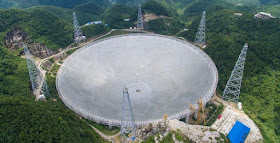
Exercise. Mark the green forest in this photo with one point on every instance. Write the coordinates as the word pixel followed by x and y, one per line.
pixel 226 35
pixel 25 120
pixel 40 25
pixel 50 22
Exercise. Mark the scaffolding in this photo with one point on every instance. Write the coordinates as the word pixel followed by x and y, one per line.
pixel 200 35
pixel 38 83
pixel 232 89
pixel 140 18
pixel 78 35
pixel 128 121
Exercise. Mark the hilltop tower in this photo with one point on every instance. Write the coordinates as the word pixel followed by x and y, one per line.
pixel 232 89
pixel 38 83
pixel 200 35
pixel 140 18
pixel 128 121
pixel 78 35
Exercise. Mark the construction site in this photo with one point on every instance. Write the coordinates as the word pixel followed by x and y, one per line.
pixel 151 86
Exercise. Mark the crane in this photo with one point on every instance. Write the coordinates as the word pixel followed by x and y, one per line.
pixel 200 108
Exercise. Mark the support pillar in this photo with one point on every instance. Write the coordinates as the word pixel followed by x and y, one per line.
pixel 187 119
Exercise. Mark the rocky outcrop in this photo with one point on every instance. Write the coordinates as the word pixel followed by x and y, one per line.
pixel 41 51
pixel 15 38
pixel 47 65
pixel 63 55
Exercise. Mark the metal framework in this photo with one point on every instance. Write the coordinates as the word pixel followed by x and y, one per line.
pixel 140 18
pixel 232 89
pixel 113 122
pixel 128 121
pixel 78 35
pixel 38 83
pixel 200 35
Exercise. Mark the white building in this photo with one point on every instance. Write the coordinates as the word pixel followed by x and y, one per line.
pixel 264 15
pixel 238 14
pixel 94 22
pixel 41 97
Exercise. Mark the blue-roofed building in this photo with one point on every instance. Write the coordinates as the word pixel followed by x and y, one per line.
pixel 238 133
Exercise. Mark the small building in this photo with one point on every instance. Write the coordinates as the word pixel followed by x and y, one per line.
pixel 41 97
pixel 264 15
pixel 238 14
pixel 238 133
pixel 94 22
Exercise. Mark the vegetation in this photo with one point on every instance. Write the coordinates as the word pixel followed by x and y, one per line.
pixel 91 8
pixel 150 139
pixel 14 78
pixel 167 26
pixel 197 8
pixel 40 25
pixel 104 128
pixel 274 10
pixel 226 35
pixel 180 137
pixel 152 6
pixel 69 52
pixel 59 3
pixel 94 30
pixel 214 114
pixel 115 16
pixel 23 120
pixel 119 32
pixel 67 14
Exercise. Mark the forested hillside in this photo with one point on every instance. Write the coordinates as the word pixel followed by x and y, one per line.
pixel 40 25
pixel 157 8
pixel 14 78
pixel 67 14
pixel 252 2
pixel 115 16
pixel 59 3
pixel 166 26
pixel 24 120
pixel 226 35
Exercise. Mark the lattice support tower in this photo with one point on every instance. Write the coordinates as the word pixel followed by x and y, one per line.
pixel 140 18
pixel 38 83
pixel 127 121
pixel 232 89
pixel 78 35
pixel 201 32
